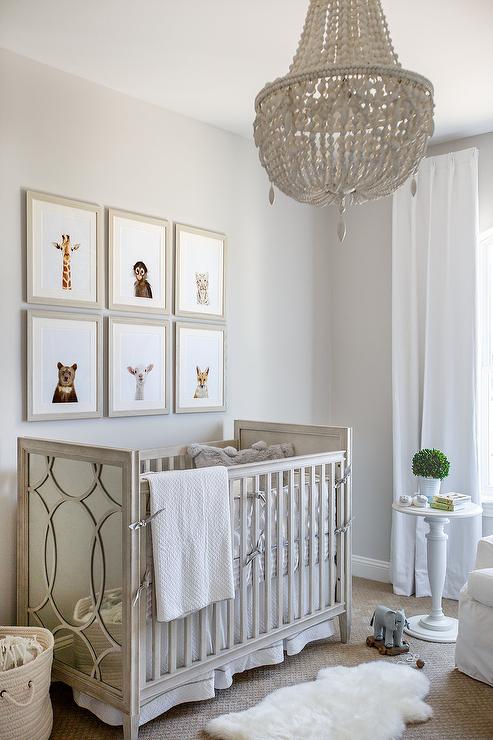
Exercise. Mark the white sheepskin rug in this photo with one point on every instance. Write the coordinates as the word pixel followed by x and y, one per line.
pixel 371 701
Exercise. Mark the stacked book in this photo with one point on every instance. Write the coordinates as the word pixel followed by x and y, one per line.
pixel 450 501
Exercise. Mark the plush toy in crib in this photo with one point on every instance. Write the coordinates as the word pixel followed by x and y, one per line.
pixel 388 625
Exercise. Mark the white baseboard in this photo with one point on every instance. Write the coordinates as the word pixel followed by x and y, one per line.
pixel 373 570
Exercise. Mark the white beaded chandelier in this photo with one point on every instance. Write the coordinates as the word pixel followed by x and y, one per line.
pixel 347 123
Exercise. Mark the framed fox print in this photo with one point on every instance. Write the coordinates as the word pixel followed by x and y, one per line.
pixel 65 365
pixel 138 367
pixel 200 270
pixel 200 367
pixel 64 251
pixel 139 263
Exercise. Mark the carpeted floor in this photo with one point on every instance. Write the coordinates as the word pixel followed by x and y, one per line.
pixel 463 708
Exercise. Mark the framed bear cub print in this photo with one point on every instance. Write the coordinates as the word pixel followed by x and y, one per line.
pixel 65 365
pixel 138 263
pixel 200 273
pixel 64 251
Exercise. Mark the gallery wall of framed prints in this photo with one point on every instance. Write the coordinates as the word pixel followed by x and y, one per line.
pixel 67 350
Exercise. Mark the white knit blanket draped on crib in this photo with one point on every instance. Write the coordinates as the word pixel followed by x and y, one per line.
pixel 191 539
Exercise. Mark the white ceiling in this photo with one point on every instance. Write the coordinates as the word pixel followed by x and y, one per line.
pixel 208 58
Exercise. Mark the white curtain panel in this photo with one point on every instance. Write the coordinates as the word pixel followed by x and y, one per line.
pixel 434 356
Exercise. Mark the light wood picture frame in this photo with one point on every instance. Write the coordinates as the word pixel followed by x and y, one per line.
pixel 65 260
pixel 200 367
pixel 200 273
pixel 139 263
pixel 64 365
pixel 138 366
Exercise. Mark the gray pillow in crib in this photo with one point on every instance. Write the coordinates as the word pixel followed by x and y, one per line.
pixel 205 456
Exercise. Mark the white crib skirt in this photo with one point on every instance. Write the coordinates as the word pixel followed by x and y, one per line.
pixel 221 678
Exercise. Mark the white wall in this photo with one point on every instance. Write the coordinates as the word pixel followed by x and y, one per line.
pixel 63 135
pixel 360 315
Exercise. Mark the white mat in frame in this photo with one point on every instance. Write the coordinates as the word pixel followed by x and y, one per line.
pixel 200 367
pixel 200 273
pixel 139 243
pixel 138 366
pixel 64 365
pixel 64 251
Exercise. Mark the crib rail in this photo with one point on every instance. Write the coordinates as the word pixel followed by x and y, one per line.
pixel 157 459
pixel 285 515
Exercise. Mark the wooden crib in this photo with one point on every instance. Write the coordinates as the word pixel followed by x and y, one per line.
pixel 85 565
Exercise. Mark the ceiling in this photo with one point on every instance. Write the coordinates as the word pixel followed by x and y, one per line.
pixel 208 58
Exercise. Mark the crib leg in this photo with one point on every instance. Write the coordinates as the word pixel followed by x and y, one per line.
pixel 130 726
pixel 345 627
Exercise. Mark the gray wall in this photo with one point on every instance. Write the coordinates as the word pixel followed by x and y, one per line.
pixel 360 316
pixel 63 135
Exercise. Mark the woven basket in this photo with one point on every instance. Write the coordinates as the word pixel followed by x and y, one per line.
pixel 111 667
pixel 25 706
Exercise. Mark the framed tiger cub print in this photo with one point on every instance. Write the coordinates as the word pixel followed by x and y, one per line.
pixel 200 272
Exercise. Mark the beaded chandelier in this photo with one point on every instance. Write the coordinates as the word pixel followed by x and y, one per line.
pixel 347 123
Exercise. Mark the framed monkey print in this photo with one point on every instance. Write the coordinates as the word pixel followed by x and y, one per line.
pixel 64 251
pixel 138 263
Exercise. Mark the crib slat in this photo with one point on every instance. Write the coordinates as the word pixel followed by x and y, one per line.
pixel 255 564
pixel 332 536
pixel 268 552
pixel 311 561
pixel 340 518
pixel 291 541
pixel 187 628
pixel 231 602
pixel 172 646
pixel 203 633
pixel 243 568
pixel 280 550
pixel 301 546
pixel 322 512
pixel 156 641
pixel 216 625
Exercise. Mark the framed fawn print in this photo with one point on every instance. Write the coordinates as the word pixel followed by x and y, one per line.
pixel 64 365
pixel 139 263
pixel 200 367
pixel 138 367
pixel 200 271
pixel 64 251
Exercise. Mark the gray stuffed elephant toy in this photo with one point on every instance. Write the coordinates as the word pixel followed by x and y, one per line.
pixel 388 625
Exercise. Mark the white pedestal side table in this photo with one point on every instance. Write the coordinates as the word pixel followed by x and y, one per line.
pixel 435 626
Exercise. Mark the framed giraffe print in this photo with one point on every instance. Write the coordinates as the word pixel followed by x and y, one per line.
pixel 138 263
pixel 138 366
pixel 64 251
pixel 64 365
pixel 200 272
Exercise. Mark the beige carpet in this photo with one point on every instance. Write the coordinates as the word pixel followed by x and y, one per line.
pixel 463 708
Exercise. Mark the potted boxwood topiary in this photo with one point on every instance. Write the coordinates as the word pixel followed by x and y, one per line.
pixel 431 466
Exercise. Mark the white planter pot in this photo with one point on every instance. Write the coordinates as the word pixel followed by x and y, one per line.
pixel 429 487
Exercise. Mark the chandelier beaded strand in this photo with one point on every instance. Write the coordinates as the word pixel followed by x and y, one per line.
pixel 347 123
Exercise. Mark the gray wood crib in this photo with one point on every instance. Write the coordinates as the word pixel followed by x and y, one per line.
pixel 86 574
